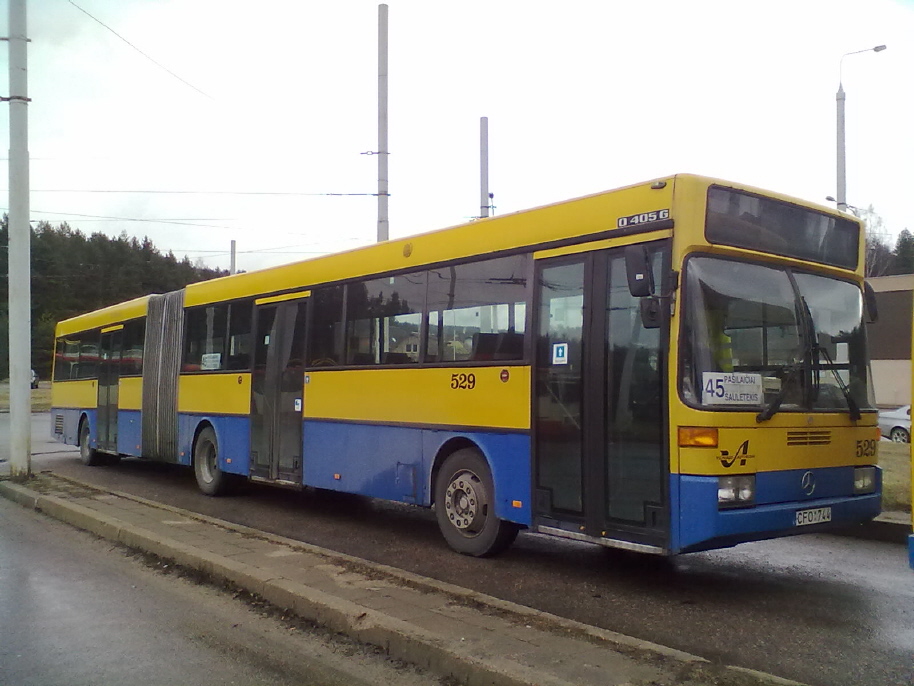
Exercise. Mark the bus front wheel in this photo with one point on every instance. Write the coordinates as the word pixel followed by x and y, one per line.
pixel 210 478
pixel 465 506
pixel 89 455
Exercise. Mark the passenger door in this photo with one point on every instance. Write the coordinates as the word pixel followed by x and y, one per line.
pixel 599 417
pixel 276 392
pixel 108 379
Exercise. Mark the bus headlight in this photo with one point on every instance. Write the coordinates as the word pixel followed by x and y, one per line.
pixel 735 491
pixel 864 480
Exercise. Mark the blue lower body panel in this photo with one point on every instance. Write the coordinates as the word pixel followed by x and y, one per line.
pixel 702 526
pixel 395 463
pixel 233 438
pixel 130 432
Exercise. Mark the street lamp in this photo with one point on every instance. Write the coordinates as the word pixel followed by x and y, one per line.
pixel 842 178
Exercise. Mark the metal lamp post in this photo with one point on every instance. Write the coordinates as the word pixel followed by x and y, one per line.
pixel 839 97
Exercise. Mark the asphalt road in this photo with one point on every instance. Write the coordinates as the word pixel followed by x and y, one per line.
pixel 76 610
pixel 823 610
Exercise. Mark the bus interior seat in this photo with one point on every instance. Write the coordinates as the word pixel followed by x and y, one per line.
pixel 362 358
pixel 397 358
pixel 507 345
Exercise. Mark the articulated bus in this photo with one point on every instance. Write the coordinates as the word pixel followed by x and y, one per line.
pixel 674 366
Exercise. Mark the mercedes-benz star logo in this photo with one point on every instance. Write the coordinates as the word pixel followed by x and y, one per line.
pixel 808 483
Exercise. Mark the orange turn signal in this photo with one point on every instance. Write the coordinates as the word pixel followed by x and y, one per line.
pixel 697 437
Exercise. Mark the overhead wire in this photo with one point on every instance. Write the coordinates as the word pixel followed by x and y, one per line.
pixel 169 192
pixel 158 64
pixel 100 217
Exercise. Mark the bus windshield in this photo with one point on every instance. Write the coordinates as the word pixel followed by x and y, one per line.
pixel 767 337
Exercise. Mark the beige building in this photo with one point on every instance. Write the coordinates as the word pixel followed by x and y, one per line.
pixel 890 339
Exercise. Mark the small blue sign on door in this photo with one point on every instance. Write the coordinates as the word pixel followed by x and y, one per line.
pixel 559 353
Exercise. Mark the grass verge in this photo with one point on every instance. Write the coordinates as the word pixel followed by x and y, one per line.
pixel 41 397
pixel 895 460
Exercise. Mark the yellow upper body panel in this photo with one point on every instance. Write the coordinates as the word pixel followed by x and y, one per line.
pixel 74 394
pixel 221 394
pixel 488 397
pixel 130 393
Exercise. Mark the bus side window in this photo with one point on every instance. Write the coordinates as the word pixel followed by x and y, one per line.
pixel 239 336
pixel 325 340
pixel 204 335
pixel 88 356
pixel 383 320
pixel 66 359
pixel 478 311
pixel 132 355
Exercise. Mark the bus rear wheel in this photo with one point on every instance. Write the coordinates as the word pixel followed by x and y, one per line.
pixel 465 506
pixel 89 455
pixel 211 480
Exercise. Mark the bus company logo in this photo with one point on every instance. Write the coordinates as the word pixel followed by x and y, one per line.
pixel 739 458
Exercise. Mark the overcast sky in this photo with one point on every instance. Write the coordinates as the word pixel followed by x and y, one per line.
pixel 255 109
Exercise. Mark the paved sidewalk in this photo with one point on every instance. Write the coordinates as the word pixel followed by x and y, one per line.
pixel 453 632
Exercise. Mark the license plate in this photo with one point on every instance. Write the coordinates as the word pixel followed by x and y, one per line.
pixel 815 516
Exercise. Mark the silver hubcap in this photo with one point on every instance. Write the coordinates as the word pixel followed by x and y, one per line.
pixel 463 503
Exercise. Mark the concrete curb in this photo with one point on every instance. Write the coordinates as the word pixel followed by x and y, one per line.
pixel 400 639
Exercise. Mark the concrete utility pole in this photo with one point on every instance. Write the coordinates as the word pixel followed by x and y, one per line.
pixel 232 260
pixel 20 296
pixel 383 222
pixel 841 153
pixel 484 167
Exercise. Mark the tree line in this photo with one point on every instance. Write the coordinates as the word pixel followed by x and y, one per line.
pixel 73 273
pixel 881 258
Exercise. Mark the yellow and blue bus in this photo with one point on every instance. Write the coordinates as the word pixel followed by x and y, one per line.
pixel 673 366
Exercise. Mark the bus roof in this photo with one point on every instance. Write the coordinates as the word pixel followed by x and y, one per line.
pixel 587 215
pixel 108 315
pixel 590 216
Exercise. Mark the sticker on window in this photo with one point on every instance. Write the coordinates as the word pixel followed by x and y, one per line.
pixel 730 388
pixel 211 361
pixel 559 353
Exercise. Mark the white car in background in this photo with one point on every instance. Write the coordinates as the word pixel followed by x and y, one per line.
pixel 896 424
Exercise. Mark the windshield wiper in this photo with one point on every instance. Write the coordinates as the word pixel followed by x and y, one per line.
pixel 810 357
pixel 815 350
pixel 772 408
pixel 853 409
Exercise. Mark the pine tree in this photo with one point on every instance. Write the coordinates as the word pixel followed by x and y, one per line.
pixel 73 273
pixel 903 262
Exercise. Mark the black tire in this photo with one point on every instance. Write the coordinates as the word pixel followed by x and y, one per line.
pixel 899 435
pixel 89 455
pixel 465 506
pixel 210 479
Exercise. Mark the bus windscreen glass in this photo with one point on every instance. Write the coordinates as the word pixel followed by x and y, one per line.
pixel 749 221
pixel 755 334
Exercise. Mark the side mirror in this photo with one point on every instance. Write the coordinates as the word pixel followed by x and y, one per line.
pixel 639 272
pixel 869 300
pixel 651 314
